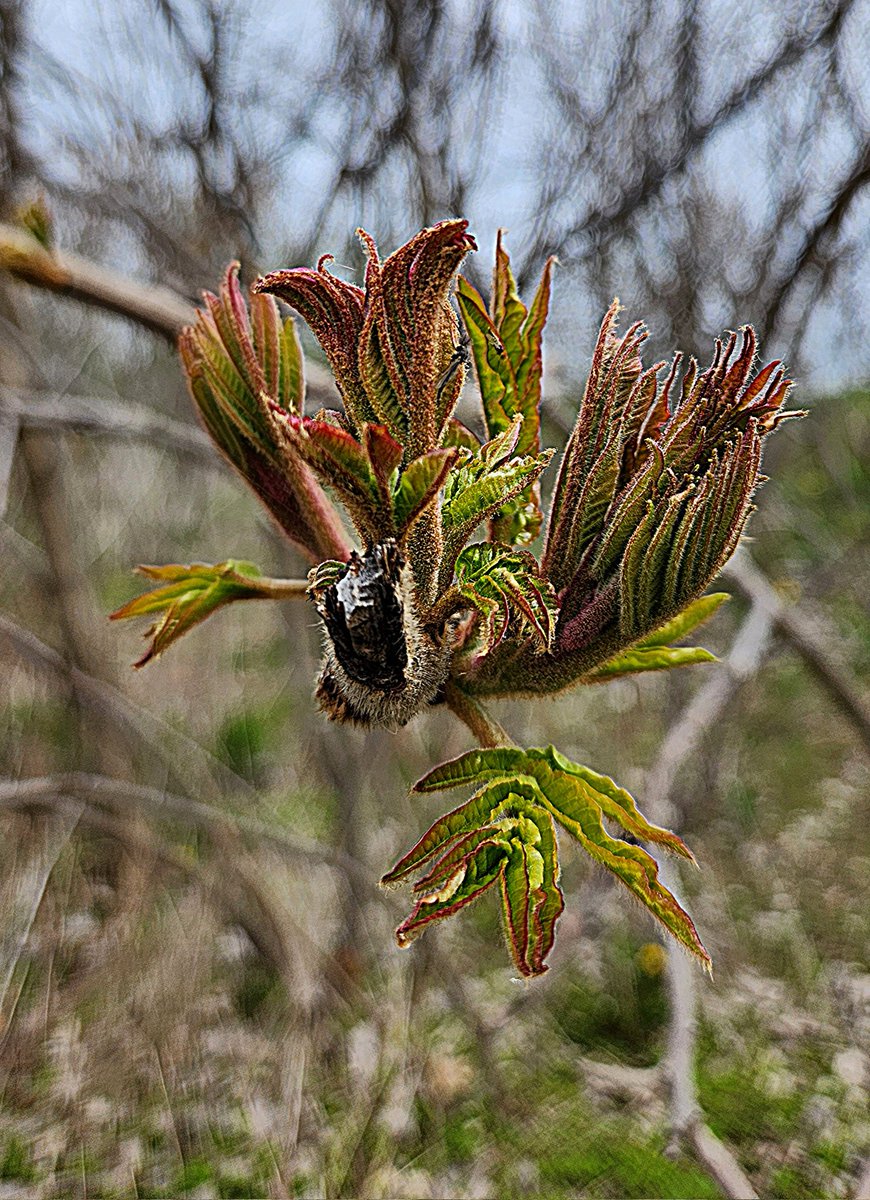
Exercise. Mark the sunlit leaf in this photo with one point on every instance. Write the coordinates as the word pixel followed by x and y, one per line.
pixel 541 784
pixel 189 595
pixel 506 348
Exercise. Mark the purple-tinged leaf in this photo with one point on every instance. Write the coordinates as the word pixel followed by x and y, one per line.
pixel 457 434
pixel 409 333
pixel 384 455
pixel 333 310
pixel 341 463
pixel 237 369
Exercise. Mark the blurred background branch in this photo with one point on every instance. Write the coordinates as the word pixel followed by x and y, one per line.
pixel 187 851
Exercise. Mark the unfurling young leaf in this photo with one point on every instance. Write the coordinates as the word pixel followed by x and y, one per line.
pixel 481 483
pixel 504 583
pixel 190 594
pixel 239 367
pixel 506 348
pixel 540 785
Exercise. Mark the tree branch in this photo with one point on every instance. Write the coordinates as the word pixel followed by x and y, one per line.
pixel 822 232
pixel 27 794
pixel 157 308
pixel 654 173
pixel 106 418
pixel 803 635
pixel 152 306
pixel 701 713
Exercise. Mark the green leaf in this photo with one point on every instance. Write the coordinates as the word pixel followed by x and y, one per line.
pixel 468 816
pixel 500 582
pixel 654 653
pixel 481 483
pixel 334 312
pixel 506 347
pixel 191 594
pixel 655 658
pixel 473 875
pixel 419 484
pixel 531 898
pixel 495 377
pixel 541 786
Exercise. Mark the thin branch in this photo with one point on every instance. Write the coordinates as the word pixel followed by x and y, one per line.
pixel 29 890
pixel 224 881
pixel 8 446
pixel 700 714
pixel 822 233
pixel 152 306
pixel 803 635
pixel 100 789
pixel 602 221
pixel 157 308
pixel 182 756
pixel 106 418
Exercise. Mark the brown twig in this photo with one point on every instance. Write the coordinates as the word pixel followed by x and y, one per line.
pixel 152 306
pixel 157 308
pixel 105 418
pixel 700 714
pixel 803 635
pixel 99 789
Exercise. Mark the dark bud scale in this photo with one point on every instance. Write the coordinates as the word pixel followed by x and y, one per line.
pixel 362 613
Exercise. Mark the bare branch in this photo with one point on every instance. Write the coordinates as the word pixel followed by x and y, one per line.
pixel 804 636
pixel 601 222
pixel 821 234
pixel 106 418
pixel 700 714
pixel 154 307
pixel 157 308
pixel 99 789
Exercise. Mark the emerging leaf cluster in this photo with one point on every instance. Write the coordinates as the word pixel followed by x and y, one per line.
pixel 653 491
pixel 505 833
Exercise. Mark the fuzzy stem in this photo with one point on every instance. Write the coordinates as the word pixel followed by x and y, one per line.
pixel 282 589
pixel 484 727
pixel 447 605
